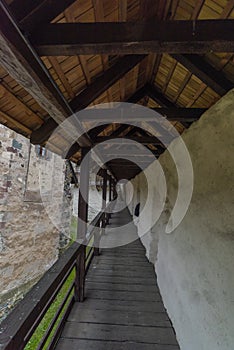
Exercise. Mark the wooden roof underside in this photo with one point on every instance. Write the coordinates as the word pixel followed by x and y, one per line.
pixel 184 84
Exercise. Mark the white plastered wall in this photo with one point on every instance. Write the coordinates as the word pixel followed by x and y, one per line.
pixel 195 263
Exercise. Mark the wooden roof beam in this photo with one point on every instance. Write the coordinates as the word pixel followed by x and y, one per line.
pixel 137 114
pixel 30 13
pixel 132 99
pixel 205 72
pixel 64 39
pixel 93 91
pixel 145 140
pixel 21 62
pixel 158 97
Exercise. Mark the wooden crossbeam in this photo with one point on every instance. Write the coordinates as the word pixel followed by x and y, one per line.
pixel 92 133
pixel 64 39
pixel 30 13
pixel 145 140
pixel 20 60
pixel 119 130
pixel 156 95
pixel 137 114
pixel 93 91
pixel 205 72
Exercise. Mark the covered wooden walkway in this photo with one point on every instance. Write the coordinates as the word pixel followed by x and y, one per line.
pixel 123 308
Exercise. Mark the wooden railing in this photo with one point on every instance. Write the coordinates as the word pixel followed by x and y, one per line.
pixel 65 280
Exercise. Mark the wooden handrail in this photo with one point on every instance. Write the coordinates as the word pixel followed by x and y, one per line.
pixel 18 327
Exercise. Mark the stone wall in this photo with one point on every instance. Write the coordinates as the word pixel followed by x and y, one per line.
pixel 195 263
pixel 29 240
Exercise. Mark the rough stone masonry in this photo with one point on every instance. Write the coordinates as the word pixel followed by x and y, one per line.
pixel 29 241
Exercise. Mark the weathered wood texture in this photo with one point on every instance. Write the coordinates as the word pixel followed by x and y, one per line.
pixel 123 308
pixel 87 96
pixel 66 39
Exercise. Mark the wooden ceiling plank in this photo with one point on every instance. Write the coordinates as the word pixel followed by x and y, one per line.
pixel 123 5
pixel 5 117
pixel 20 60
pixel 93 91
pixel 158 97
pixel 106 80
pixel 227 10
pixel 30 13
pixel 5 92
pixel 199 92
pixel 197 9
pixel 62 77
pixel 170 74
pixel 182 86
pixel 99 16
pixel 195 14
pixel 81 59
pixel 131 38
pixel 132 99
pixel 205 72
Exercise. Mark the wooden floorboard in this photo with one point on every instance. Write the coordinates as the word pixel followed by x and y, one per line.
pixel 124 317
pixel 121 305
pixel 79 344
pixel 123 309
pixel 120 333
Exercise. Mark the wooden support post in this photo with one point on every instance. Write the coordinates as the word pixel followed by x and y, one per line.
pixel 114 190
pixel 110 185
pixel 97 237
pixel 108 215
pixel 104 190
pixel 82 223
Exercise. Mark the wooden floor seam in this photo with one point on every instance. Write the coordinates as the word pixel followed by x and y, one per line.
pixel 123 308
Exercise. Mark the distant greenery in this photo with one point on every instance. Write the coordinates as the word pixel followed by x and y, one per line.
pixel 48 317
pixel 73 228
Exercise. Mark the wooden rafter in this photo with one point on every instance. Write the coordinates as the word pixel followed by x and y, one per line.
pixel 12 98
pixel 62 77
pixel 20 60
pixel 5 118
pixel 132 99
pixel 137 114
pixel 131 38
pixel 31 13
pixel 140 139
pixel 158 97
pixel 99 15
pixel 93 91
pixel 81 59
pixel 205 72
pixel 197 9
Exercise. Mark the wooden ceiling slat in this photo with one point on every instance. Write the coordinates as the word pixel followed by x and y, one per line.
pixel 20 60
pixel 73 74
pixel 31 13
pixel 10 97
pixel 227 10
pixel 197 9
pixel 87 96
pixel 100 17
pixel 4 117
pixel 62 76
pixel 204 71
pixel 81 59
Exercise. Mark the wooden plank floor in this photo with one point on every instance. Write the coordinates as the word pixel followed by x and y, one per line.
pixel 123 309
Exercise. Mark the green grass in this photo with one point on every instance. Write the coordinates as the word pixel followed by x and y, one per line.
pixel 48 317
pixel 73 229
